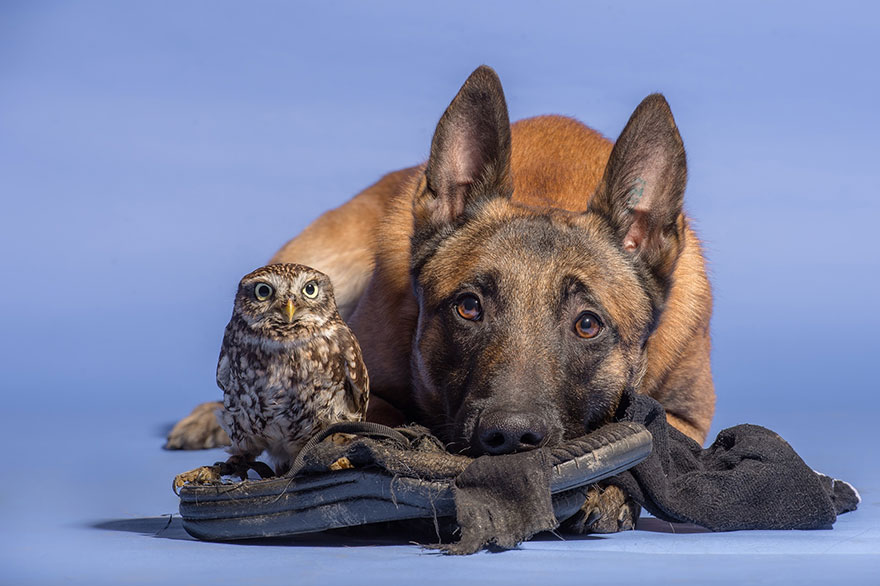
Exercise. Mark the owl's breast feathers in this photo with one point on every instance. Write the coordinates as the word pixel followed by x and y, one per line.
pixel 316 377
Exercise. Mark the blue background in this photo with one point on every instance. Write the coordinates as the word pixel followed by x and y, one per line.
pixel 152 153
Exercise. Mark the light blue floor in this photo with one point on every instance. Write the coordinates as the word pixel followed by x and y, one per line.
pixel 99 518
pixel 151 154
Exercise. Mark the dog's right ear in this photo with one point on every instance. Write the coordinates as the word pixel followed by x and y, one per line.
pixel 642 190
pixel 470 153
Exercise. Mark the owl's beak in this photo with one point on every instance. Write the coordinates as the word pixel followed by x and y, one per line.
pixel 290 310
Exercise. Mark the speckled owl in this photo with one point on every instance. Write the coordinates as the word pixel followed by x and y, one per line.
pixel 289 365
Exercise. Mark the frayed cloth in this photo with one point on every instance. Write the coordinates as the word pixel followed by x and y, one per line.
pixel 749 478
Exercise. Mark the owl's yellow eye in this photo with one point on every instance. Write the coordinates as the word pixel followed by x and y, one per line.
pixel 263 291
pixel 310 290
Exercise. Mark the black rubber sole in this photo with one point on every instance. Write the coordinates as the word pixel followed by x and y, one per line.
pixel 284 506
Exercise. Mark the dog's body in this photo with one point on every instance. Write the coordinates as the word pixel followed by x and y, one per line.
pixel 556 163
pixel 507 292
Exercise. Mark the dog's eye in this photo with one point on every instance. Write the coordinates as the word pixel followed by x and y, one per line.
pixel 588 325
pixel 468 307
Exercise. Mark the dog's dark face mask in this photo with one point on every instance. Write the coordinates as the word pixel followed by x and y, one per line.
pixel 532 322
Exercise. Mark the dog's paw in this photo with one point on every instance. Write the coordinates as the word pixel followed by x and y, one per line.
pixel 606 510
pixel 200 430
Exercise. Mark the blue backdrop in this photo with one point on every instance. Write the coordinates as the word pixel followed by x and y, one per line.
pixel 152 153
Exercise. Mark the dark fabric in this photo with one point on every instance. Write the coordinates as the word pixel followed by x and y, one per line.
pixel 499 500
pixel 749 478
pixel 419 454
pixel 502 500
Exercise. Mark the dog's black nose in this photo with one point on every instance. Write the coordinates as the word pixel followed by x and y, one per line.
pixel 505 432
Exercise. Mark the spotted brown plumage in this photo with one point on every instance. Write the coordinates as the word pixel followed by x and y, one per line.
pixel 288 366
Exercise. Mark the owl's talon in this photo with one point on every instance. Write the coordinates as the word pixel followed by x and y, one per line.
pixel 200 475
pixel 262 469
pixel 233 467
pixel 236 466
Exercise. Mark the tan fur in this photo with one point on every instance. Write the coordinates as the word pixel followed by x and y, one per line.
pixel 364 246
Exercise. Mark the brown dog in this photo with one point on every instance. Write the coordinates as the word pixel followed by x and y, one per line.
pixel 508 291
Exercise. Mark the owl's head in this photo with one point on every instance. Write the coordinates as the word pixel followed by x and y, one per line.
pixel 280 298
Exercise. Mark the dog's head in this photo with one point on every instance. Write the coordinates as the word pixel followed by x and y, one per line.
pixel 534 320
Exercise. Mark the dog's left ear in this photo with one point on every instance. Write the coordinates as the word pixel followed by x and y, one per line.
pixel 642 190
pixel 470 152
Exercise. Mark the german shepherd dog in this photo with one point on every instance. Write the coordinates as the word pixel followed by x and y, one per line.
pixel 508 291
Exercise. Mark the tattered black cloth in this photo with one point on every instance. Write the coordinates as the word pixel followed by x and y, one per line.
pixel 749 478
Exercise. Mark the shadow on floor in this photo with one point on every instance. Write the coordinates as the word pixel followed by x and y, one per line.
pixel 163 429
pixel 166 527
pixel 657 526
pixel 380 534
pixel 647 524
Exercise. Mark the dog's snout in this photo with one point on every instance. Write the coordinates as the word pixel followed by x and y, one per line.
pixel 505 432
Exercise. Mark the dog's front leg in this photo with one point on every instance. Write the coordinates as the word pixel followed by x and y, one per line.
pixel 200 430
pixel 606 510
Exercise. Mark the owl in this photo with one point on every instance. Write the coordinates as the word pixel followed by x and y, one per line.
pixel 289 366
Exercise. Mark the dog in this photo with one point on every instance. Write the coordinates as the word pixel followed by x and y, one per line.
pixel 506 292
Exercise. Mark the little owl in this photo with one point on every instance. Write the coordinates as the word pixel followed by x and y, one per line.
pixel 289 366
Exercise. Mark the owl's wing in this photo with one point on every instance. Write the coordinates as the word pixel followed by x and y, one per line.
pixel 224 371
pixel 357 382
